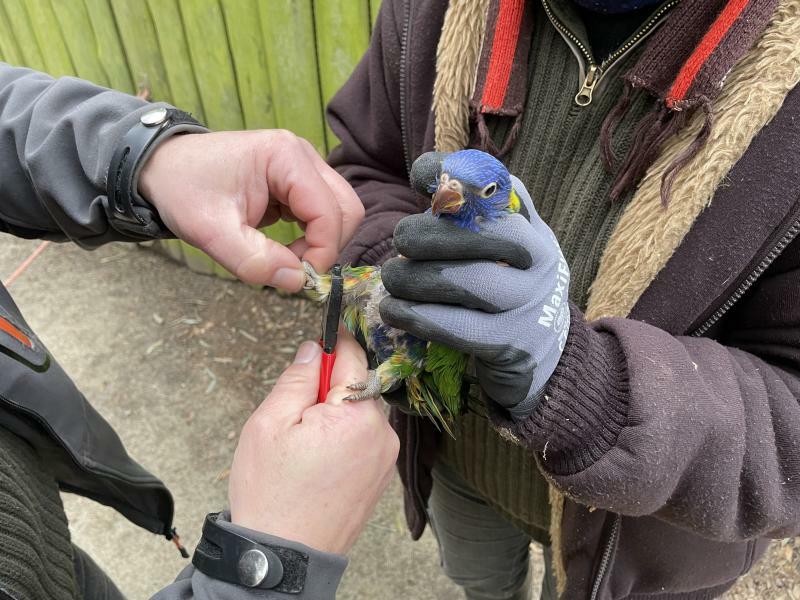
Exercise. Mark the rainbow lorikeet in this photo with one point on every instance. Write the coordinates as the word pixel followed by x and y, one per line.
pixel 468 187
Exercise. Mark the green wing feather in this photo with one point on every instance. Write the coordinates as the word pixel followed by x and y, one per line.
pixel 447 368
pixel 436 392
pixel 434 386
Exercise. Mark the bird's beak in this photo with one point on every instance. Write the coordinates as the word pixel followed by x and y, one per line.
pixel 447 199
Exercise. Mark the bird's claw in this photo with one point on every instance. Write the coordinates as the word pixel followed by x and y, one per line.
pixel 365 390
pixel 311 276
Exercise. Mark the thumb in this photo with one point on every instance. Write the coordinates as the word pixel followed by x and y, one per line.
pixel 256 259
pixel 296 388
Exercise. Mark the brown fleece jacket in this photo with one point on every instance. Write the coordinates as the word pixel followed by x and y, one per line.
pixel 671 429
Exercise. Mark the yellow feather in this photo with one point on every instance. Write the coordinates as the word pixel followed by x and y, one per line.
pixel 513 202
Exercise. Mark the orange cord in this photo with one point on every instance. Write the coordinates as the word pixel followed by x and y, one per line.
pixel 25 264
pixel 176 539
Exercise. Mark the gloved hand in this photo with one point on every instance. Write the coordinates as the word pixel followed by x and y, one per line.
pixel 499 294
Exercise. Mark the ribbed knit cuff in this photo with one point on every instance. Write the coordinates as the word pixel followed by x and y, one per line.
pixel 379 253
pixel 585 403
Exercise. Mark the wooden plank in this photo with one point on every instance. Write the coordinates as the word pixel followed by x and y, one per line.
pixel 108 48
pixel 172 248
pixel 23 32
pixel 211 60
pixel 197 260
pixel 342 30
pixel 252 77
pixel 213 67
pixel 142 52
pixel 283 232
pixel 78 35
pixel 374 8
pixel 51 41
pixel 9 50
pixel 175 54
pixel 250 63
pixel 288 30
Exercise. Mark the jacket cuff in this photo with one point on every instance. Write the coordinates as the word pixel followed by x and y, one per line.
pixel 585 403
pixel 375 255
pixel 323 575
pixel 324 572
pixel 127 211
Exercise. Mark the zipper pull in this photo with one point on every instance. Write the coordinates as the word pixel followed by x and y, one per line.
pixel 173 537
pixel 584 95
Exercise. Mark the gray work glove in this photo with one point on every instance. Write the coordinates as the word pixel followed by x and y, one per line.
pixel 499 294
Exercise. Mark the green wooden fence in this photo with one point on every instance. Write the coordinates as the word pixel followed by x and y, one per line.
pixel 235 64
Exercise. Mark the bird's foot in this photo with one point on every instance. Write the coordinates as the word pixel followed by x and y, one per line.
pixel 365 390
pixel 311 276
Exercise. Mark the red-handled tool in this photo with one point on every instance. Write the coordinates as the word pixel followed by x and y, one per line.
pixel 330 328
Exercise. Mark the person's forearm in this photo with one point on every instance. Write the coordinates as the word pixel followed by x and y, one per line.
pixel 320 582
pixel 58 137
pixel 639 422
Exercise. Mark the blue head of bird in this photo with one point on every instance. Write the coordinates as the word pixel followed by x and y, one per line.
pixel 472 185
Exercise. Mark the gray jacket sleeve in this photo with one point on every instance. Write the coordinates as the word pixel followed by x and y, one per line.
pixel 57 137
pixel 323 576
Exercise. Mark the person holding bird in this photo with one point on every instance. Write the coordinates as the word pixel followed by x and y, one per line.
pixel 625 341
pixel 473 192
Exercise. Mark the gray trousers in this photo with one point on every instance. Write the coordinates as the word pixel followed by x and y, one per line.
pixel 479 550
pixel 93 583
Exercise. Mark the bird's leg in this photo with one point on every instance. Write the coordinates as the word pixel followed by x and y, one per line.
pixel 365 390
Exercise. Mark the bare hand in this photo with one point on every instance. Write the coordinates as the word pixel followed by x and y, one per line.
pixel 214 190
pixel 308 472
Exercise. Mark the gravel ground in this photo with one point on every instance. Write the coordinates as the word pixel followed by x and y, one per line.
pixel 176 362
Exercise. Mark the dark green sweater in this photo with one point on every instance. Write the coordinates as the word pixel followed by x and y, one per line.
pixel 36 556
pixel 557 156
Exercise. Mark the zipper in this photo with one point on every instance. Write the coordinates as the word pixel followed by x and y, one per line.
pixel 403 83
pixel 404 140
pixel 776 251
pixel 595 73
pixel 584 95
pixel 605 560
pixel 36 418
pixel 415 462
pixel 773 254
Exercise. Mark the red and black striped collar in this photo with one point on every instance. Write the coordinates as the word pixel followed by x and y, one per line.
pixel 684 63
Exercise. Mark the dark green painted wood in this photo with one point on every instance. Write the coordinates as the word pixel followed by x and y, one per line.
pixel 175 55
pixel 45 26
pixel 135 26
pixel 216 80
pixel 9 50
pixel 78 36
pixel 26 40
pixel 342 33
pixel 233 63
pixel 288 30
pixel 249 54
pixel 374 7
pixel 250 63
pixel 109 46
pixel 212 63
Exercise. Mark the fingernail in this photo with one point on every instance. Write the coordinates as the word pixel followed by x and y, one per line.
pixel 288 279
pixel 307 352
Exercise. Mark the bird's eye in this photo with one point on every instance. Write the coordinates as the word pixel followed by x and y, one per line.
pixel 444 178
pixel 489 190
